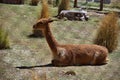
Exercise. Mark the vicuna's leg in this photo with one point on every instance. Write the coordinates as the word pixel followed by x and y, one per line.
pixel 93 62
pixel 105 61
pixel 57 63
pixel 99 59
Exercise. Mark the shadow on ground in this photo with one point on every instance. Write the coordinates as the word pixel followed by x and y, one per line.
pixel 35 36
pixel 29 67
pixel 50 65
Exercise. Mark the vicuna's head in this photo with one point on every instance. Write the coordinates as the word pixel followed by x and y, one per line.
pixel 42 24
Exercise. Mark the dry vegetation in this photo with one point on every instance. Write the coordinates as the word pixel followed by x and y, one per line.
pixel 12 1
pixel 50 1
pixel 4 41
pixel 56 3
pixel 44 11
pixel 34 2
pixel 108 32
pixel 64 5
pixel 36 76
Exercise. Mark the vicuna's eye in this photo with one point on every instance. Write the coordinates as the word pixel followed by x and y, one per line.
pixel 33 26
pixel 59 54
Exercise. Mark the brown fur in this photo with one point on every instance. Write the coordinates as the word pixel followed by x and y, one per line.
pixel 64 55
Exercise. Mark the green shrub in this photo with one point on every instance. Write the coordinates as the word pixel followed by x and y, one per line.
pixel 50 1
pixel 4 41
pixel 107 34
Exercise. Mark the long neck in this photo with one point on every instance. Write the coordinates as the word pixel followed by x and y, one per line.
pixel 51 40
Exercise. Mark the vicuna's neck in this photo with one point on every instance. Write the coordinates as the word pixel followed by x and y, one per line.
pixel 51 40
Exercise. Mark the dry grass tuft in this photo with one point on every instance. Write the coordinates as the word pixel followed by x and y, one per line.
pixel 50 1
pixel 107 34
pixel 36 76
pixel 56 3
pixel 64 5
pixel 34 2
pixel 4 41
pixel 44 12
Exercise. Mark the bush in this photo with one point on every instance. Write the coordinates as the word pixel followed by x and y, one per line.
pixel 64 5
pixel 12 1
pixel 44 12
pixel 4 41
pixel 56 3
pixel 50 1
pixel 116 4
pixel 108 32
pixel 34 2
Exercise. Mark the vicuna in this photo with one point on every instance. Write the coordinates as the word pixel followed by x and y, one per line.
pixel 66 55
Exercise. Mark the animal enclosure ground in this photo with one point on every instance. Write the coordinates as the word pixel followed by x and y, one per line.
pixel 31 54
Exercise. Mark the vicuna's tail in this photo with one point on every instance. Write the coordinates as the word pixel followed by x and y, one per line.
pixel 107 34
